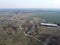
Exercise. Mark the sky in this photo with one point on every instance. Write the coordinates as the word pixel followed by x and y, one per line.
pixel 30 4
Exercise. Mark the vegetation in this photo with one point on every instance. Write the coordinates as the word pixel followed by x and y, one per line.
pixel 50 17
pixel 11 34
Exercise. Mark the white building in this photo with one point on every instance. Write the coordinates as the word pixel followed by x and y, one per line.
pixel 49 24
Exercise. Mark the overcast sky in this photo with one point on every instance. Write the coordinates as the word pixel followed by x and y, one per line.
pixel 30 4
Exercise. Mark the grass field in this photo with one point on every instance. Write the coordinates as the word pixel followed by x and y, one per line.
pixel 50 17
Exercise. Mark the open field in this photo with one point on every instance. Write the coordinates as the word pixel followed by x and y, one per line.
pixel 12 34
pixel 49 16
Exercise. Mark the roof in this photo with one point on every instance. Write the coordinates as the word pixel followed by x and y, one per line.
pixel 49 24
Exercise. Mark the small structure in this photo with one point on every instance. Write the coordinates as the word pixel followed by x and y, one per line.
pixel 31 21
pixel 49 24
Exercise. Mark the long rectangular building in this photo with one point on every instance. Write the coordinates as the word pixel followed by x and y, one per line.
pixel 49 24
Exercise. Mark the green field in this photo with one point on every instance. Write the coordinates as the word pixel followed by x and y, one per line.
pixel 53 18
